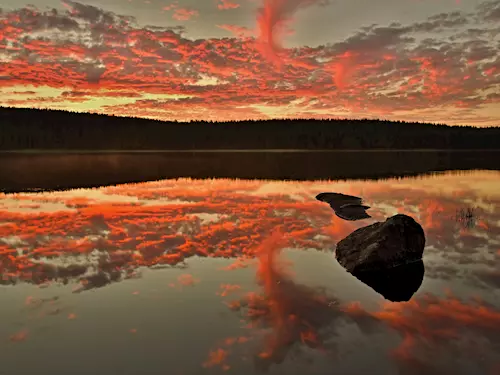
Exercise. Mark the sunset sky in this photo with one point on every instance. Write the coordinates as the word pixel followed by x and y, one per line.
pixel 414 60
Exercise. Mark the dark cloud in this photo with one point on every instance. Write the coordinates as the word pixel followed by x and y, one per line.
pixel 490 10
pixel 442 21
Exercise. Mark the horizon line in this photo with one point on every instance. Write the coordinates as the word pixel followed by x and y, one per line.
pixel 340 119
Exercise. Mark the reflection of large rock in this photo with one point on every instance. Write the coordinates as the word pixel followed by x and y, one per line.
pixel 398 241
pixel 395 284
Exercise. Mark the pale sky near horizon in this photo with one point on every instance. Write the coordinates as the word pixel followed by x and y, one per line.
pixel 424 60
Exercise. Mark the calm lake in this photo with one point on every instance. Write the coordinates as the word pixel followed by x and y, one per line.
pixel 185 276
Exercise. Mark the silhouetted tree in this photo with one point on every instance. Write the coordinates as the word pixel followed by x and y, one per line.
pixel 49 129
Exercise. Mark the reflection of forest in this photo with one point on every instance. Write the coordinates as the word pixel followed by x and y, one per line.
pixel 48 129
pixel 20 172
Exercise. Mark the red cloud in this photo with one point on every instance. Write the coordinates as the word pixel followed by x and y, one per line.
pixel 271 19
pixel 184 14
pixel 171 6
pixel 239 31
pixel 181 13
pixel 227 4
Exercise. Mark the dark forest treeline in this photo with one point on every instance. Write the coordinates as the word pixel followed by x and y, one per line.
pixel 24 129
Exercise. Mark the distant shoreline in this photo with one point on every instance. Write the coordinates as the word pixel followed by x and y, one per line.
pixel 48 131
pixel 118 151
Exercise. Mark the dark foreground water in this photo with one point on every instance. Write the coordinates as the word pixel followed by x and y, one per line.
pixel 183 276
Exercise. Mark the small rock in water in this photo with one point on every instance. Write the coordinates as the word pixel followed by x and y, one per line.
pixel 347 207
pixel 337 200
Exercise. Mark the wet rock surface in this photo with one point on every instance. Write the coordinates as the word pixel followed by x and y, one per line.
pixel 398 241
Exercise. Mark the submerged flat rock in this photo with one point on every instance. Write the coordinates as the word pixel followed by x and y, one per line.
pixel 337 200
pixel 353 212
pixel 347 207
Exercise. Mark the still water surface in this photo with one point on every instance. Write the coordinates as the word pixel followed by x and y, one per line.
pixel 236 276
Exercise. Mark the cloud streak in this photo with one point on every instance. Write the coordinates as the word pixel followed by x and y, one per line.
pixel 272 18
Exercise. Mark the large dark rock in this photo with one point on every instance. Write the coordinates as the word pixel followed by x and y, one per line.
pixel 398 241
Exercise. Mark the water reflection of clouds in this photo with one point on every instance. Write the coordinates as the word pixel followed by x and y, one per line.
pixel 287 318
pixel 165 222
pixel 94 238
pixel 440 335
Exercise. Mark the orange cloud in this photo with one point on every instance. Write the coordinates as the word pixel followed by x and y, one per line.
pixel 217 357
pixel 236 30
pixel 227 4
pixel 184 14
pixel 19 336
